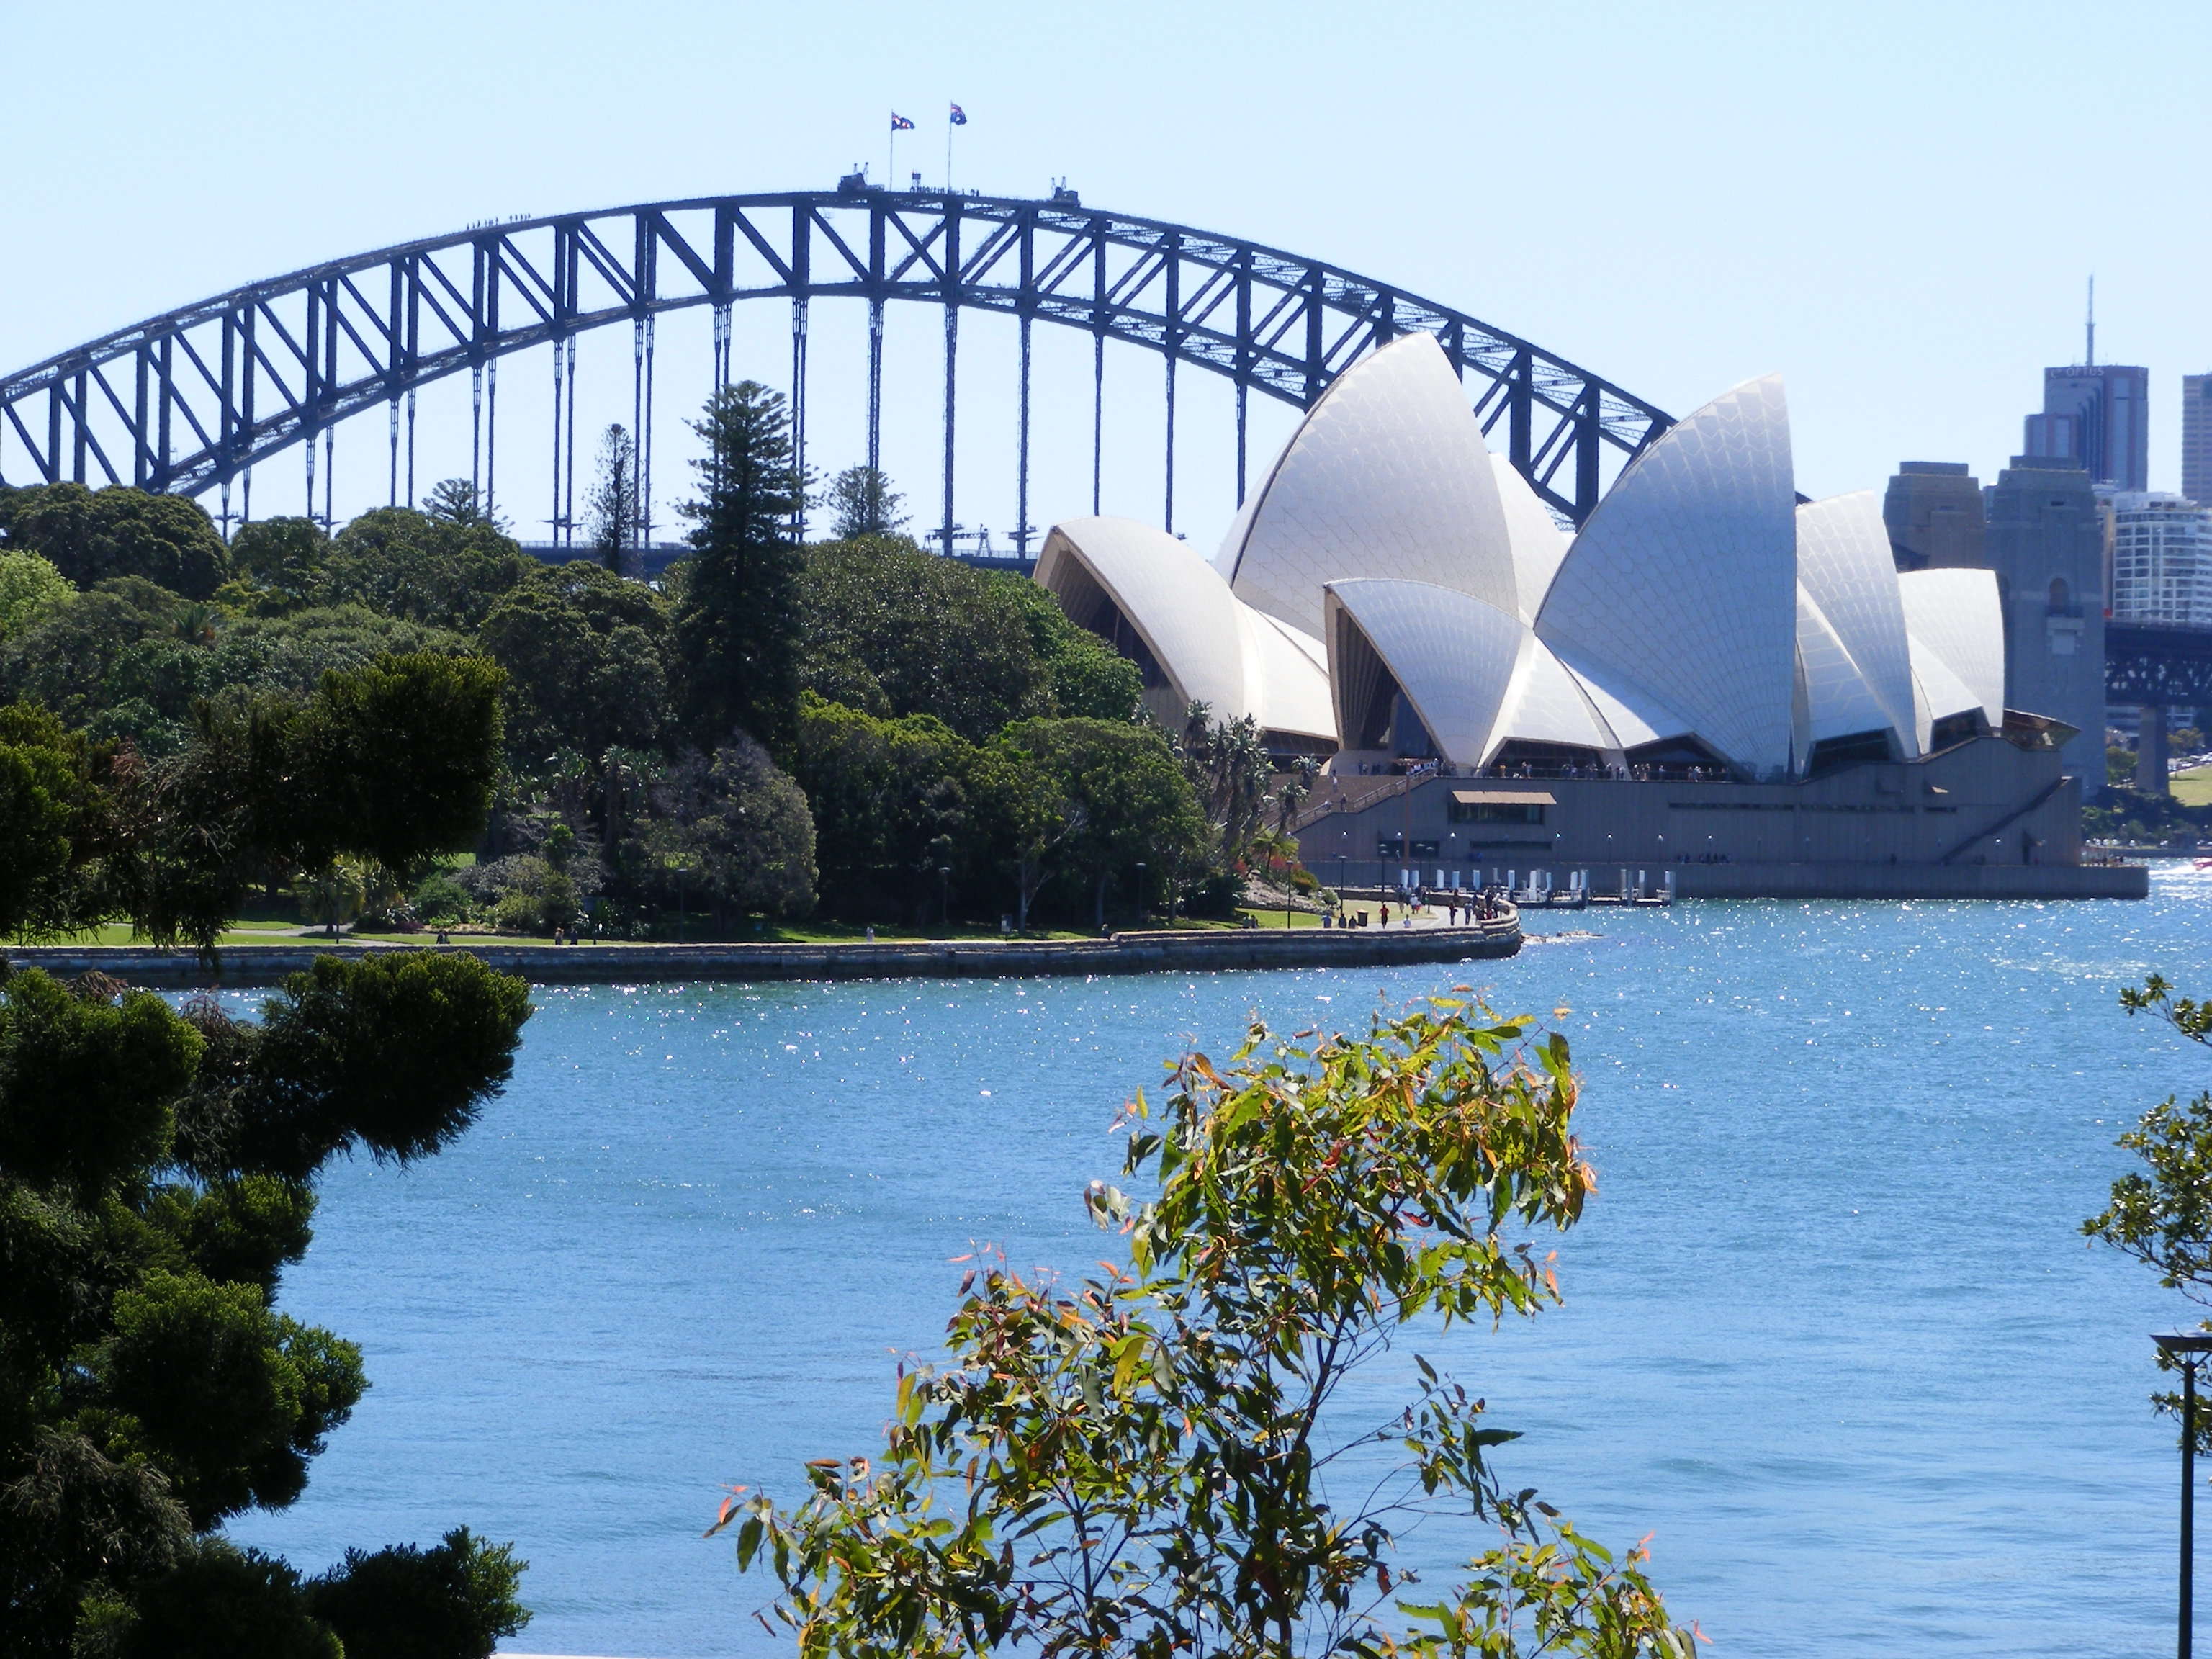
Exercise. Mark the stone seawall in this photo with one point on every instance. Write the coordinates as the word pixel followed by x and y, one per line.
pixel 1193 951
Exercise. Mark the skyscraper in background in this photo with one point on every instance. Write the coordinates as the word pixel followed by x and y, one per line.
pixel 2197 437
pixel 2098 415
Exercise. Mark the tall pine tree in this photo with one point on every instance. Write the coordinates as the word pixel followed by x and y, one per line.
pixel 737 630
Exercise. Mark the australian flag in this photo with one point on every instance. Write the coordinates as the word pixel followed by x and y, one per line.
pixel 900 124
pixel 959 115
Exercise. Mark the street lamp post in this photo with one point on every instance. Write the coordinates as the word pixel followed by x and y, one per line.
pixel 945 898
pixel 2188 1349
pixel 1140 893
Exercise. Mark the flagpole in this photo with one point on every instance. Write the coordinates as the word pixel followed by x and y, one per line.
pixel 948 158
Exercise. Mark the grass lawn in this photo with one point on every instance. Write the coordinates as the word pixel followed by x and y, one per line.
pixel 118 933
pixel 1274 918
pixel 2193 788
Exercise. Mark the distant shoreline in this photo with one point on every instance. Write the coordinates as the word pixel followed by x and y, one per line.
pixel 1204 952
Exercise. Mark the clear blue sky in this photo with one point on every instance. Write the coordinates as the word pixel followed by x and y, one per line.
pixel 1895 205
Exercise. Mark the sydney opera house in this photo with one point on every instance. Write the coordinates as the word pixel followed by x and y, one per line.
pixel 1712 676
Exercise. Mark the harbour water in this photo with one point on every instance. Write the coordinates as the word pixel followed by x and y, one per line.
pixel 1831 1336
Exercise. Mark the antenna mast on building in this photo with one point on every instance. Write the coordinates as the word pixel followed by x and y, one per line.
pixel 2091 357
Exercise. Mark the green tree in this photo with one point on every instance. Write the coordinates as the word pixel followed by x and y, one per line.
pixel 891 630
pixel 157 1175
pixel 737 623
pixel 892 803
pixel 91 535
pixel 393 760
pixel 1025 817
pixel 861 502
pixel 732 833
pixel 446 568
pixel 63 660
pixel 455 502
pixel 53 816
pixel 585 652
pixel 278 563
pixel 613 513
pixel 30 589
pixel 1133 802
pixel 1230 768
pixel 1141 1464
pixel 1087 678
pixel 398 758
pixel 2161 1214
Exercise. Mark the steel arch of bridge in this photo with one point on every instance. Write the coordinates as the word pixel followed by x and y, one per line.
pixel 189 400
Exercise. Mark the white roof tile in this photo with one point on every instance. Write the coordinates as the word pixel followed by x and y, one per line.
pixel 1844 565
pixel 1386 477
pixel 1958 616
pixel 1684 579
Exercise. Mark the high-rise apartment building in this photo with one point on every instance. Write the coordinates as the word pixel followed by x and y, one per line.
pixel 2197 437
pixel 2099 416
pixel 1933 510
pixel 2161 559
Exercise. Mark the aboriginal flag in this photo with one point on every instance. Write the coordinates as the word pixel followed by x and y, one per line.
pixel 900 124
pixel 959 115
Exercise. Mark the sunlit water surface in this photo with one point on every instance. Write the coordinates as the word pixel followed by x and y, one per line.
pixel 1831 1335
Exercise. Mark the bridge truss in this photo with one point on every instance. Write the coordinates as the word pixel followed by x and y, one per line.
pixel 2153 665
pixel 191 400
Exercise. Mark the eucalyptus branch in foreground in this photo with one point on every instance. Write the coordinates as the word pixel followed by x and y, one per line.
pixel 1132 1464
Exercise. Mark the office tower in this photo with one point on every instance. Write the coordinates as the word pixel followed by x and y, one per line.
pixel 1933 510
pixel 2097 414
pixel 2045 539
pixel 2161 559
pixel 2197 437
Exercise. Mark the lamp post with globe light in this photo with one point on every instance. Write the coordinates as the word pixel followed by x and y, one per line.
pixel 2187 1349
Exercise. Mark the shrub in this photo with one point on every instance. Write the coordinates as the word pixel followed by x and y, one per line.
pixel 441 900
pixel 453 1602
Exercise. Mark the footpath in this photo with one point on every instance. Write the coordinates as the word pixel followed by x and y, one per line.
pixel 1177 951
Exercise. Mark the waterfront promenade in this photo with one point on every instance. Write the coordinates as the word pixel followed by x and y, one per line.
pixel 1154 951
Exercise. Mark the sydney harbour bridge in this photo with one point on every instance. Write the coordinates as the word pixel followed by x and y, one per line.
pixel 193 400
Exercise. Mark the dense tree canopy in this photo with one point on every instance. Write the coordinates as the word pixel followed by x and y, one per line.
pixel 156 1174
pixel 891 630
pixel 30 588
pixel 730 833
pixel 586 655
pixel 445 570
pixel 91 535
pixel 1128 800
pixel 622 705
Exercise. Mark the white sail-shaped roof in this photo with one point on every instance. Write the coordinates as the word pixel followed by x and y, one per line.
pixel 1386 477
pixel 1937 694
pixel 1634 713
pixel 1452 655
pixel 1210 647
pixel 1684 579
pixel 1538 543
pixel 1957 616
pixel 1845 568
pixel 1546 703
pixel 1285 679
pixel 1176 601
pixel 1837 701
